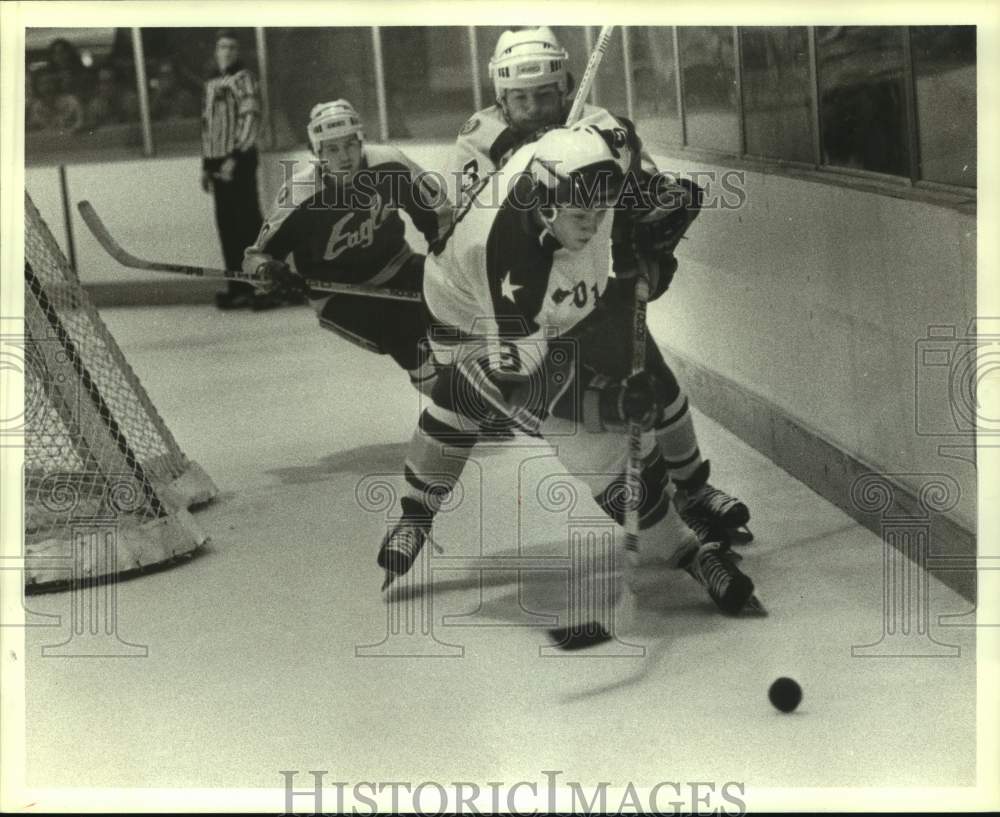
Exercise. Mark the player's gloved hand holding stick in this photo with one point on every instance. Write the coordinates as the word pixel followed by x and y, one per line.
pixel 670 207
pixel 277 275
pixel 637 399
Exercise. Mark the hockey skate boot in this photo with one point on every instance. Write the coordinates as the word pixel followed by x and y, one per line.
pixel 705 530
pixel 715 569
pixel 263 301
pixel 400 548
pixel 724 513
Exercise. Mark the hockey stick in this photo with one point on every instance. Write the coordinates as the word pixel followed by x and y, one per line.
pixel 603 41
pixel 592 633
pixel 126 259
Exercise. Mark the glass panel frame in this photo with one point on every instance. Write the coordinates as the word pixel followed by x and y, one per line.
pixel 709 88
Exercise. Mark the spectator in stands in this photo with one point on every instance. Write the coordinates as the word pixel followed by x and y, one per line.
pixel 170 99
pixel 52 109
pixel 65 60
pixel 111 104
pixel 69 108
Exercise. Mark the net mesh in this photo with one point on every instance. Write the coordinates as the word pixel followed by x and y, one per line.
pixel 95 446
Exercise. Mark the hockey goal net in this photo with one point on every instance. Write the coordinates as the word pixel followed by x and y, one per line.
pixel 106 487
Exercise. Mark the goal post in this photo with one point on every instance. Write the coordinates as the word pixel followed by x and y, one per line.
pixel 98 456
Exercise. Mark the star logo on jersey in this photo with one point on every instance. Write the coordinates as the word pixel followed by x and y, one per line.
pixel 509 290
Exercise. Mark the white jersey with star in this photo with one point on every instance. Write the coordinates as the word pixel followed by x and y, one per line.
pixel 502 276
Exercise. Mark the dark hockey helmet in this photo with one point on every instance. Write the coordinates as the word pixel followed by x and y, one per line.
pixel 575 167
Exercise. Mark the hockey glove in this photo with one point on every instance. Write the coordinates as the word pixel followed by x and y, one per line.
pixel 673 206
pixel 616 403
pixel 655 231
pixel 277 276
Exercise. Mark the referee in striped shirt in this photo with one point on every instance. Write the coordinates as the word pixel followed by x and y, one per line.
pixel 230 121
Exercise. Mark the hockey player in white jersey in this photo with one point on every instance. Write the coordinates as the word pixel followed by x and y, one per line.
pixel 533 93
pixel 512 345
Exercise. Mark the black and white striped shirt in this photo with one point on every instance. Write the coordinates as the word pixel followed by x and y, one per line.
pixel 230 115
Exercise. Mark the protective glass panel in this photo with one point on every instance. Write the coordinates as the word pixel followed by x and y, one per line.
pixel 708 74
pixel 428 80
pixel 610 79
pixel 80 95
pixel 777 93
pixel 310 65
pixel 862 98
pixel 654 86
pixel 944 68
pixel 178 61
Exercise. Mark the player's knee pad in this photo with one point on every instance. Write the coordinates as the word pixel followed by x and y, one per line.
pixel 442 427
pixel 656 365
pixel 654 496
pixel 454 392
pixel 435 460
pixel 424 376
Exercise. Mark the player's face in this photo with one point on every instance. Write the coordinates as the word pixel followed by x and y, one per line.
pixel 342 156
pixel 226 53
pixel 573 227
pixel 529 109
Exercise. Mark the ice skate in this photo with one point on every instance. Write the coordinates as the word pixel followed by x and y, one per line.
pixel 263 301
pixel 732 591
pixel 727 515
pixel 706 530
pixel 400 548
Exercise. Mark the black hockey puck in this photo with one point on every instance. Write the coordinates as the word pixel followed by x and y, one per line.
pixel 785 694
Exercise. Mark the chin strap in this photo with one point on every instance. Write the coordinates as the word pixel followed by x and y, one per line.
pixel 547 223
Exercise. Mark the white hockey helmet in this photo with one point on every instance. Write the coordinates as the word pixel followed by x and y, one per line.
pixel 575 167
pixel 527 59
pixel 332 120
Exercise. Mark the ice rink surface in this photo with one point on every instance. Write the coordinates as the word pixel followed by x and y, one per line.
pixel 266 651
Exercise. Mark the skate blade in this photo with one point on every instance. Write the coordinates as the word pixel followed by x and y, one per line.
pixel 754 607
pixel 390 577
pixel 740 536
pixel 579 638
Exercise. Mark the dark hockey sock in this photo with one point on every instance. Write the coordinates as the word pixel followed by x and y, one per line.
pixel 696 479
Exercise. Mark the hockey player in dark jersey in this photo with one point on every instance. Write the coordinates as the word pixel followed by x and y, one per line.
pixel 510 346
pixel 533 93
pixel 338 218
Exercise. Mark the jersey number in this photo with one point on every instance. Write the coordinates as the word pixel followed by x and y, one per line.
pixel 510 358
pixel 580 293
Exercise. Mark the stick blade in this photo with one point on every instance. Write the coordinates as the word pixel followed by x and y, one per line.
pixel 754 607
pixel 580 637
